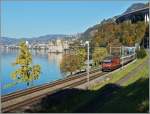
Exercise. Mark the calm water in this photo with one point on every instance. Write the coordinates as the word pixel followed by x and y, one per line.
pixel 49 62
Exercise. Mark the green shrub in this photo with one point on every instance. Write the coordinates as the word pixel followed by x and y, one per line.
pixel 141 53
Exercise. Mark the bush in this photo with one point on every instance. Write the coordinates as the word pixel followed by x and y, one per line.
pixel 141 53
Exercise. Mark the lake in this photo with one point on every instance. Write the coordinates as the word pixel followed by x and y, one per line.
pixel 50 64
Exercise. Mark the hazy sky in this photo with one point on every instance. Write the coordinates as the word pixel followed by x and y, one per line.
pixel 36 18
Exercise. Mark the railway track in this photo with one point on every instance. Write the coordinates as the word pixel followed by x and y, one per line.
pixel 36 98
pixel 35 89
pixel 38 88
pixel 72 81
pixel 85 80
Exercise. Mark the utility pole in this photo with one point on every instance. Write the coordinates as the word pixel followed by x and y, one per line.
pixel 88 80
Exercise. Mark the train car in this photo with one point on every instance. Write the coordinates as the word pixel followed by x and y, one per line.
pixel 126 59
pixel 111 63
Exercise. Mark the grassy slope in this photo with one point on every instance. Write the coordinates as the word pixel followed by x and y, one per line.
pixel 134 97
pixel 120 74
pixel 131 98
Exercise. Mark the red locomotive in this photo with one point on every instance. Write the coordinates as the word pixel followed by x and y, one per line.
pixel 111 63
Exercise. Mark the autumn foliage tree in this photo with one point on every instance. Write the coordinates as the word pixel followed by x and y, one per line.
pixel 26 72
pixel 98 55
pixel 131 33
pixel 81 58
pixel 73 61
pixel 69 63
pixel 127 33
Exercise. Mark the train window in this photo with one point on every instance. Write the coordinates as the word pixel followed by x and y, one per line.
pixel 107 61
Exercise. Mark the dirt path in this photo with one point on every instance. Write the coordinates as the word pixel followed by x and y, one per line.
pixel 131 74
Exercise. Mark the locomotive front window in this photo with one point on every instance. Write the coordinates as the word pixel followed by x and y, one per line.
pixel 107 61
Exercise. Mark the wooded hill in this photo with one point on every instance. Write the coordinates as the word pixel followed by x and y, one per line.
pixel 108 31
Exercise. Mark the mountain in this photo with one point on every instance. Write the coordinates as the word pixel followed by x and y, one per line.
pixel 6 40
pixel 40 39
pixel 46 38
pixel 135 6
pixel 89 33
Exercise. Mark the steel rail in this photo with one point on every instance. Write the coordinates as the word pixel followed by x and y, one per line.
pixel 38 88
pixel 37 98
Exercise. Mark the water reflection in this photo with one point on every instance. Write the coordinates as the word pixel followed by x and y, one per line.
pixel 50 65
pixel 38 52
pixel 55 57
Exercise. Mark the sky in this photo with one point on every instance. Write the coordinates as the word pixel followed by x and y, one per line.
pixel 31 18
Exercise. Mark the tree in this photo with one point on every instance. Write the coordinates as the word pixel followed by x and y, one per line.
pixel 106 33
pixel 109 31
pixel 81 56
pixel 129 33
pixel 141 53
pixel 73 61
pixel 69 63
pixel 26 72
pixel 98 55
pixel 140 30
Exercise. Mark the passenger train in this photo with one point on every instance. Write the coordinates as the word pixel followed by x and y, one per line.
pixel 113 62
